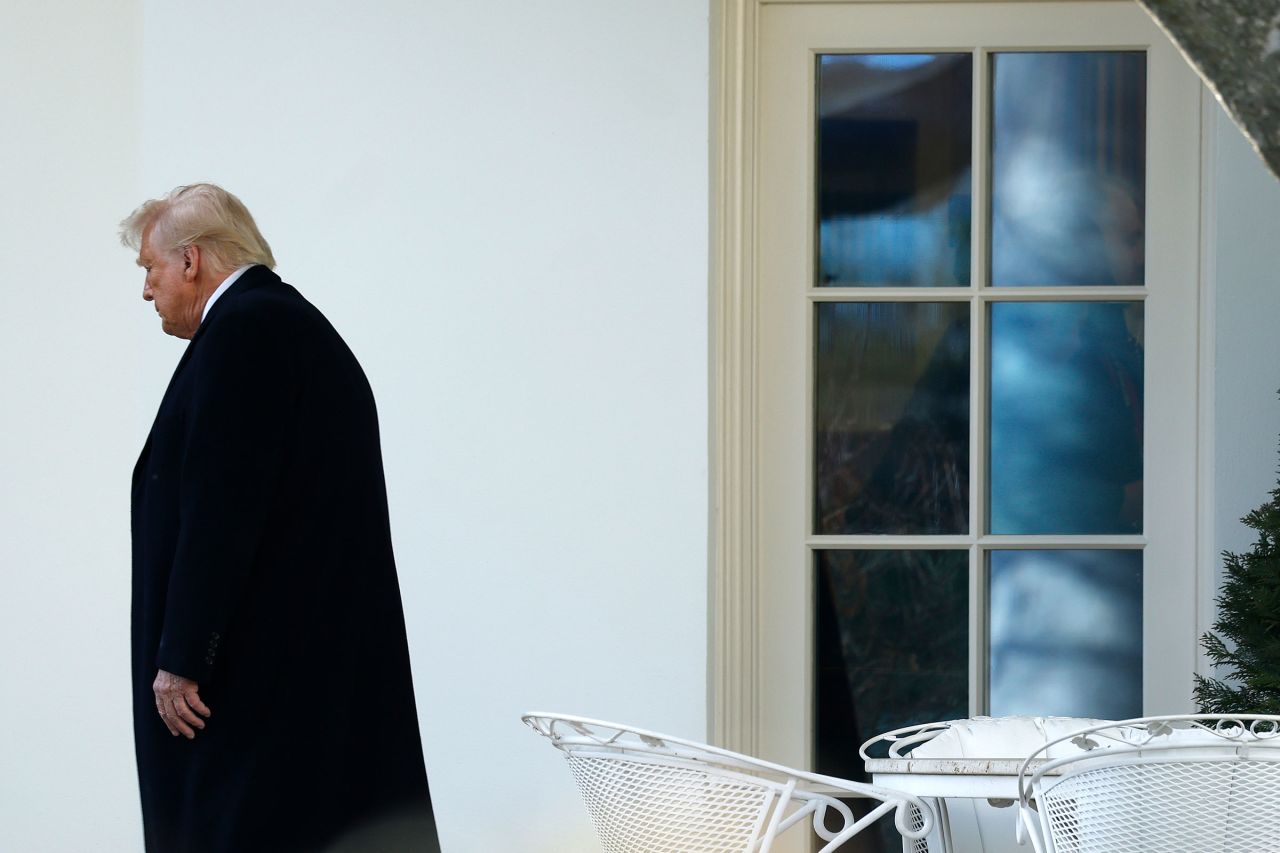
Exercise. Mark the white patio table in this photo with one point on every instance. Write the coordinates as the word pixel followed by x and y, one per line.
pixel 971 760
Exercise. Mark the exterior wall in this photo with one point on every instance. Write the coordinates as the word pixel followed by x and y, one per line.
pixel 503 208
pixel 1245 273
pixel 69 346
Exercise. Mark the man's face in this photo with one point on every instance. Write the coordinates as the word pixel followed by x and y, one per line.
pixel 170 287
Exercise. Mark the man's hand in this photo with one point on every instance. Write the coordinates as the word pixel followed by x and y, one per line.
pixel 178 703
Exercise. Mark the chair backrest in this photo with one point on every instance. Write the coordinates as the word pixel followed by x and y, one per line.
pixel 1175 784
pixel 652 793
pixel 975 737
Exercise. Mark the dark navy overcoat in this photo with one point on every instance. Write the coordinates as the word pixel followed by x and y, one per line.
pixel 262 569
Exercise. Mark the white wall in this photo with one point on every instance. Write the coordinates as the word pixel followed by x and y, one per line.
pixel 1245 268
pixel 502 206
pixel 69 340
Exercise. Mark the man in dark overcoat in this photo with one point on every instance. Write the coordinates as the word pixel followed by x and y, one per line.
pixel 273 701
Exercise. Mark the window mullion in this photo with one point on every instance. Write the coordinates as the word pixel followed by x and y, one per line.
pixel 978 405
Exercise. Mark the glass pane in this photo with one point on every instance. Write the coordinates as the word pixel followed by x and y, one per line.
pixel 1066 633
pixel 892 418
pixel 892 646
pixel 893 157
pixel 1066 417
pixel 1068 168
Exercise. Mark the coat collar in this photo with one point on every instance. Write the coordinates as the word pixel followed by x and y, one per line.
pixel 254 277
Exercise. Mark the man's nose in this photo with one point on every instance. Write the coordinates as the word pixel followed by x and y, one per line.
pixel 146 292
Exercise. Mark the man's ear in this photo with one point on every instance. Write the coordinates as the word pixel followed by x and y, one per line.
pixel 190 262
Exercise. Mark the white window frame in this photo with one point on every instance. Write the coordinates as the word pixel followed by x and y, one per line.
pixel 738 652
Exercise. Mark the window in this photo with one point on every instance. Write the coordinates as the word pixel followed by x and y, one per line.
pixel 972 353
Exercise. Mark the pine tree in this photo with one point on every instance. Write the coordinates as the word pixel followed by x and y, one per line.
pixel 1247 642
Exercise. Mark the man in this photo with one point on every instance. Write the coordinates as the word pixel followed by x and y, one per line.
pixel 273 701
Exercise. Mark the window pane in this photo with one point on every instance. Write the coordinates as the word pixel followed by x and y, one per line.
pixel 1066 417
pixel 892 646
pixel 893 157
pixel 1066 633
pixel 892 418
pixel 1068 168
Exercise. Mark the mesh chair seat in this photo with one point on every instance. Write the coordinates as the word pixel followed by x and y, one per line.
pixel 1158 785
pixel 652 793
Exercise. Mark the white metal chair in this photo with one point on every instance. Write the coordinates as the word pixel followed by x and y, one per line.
pixel 1176 784
pixel 652 793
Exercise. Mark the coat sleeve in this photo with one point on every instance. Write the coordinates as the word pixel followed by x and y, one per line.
pixel 237 426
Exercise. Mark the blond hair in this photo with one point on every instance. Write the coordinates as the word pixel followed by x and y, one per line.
pixel 201 215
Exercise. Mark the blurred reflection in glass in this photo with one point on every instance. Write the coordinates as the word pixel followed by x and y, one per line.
pixel 892 646
pixel 1066 417
pixel 894 147
pixel 892 418
pixel 1066 633
pixel 1068 168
